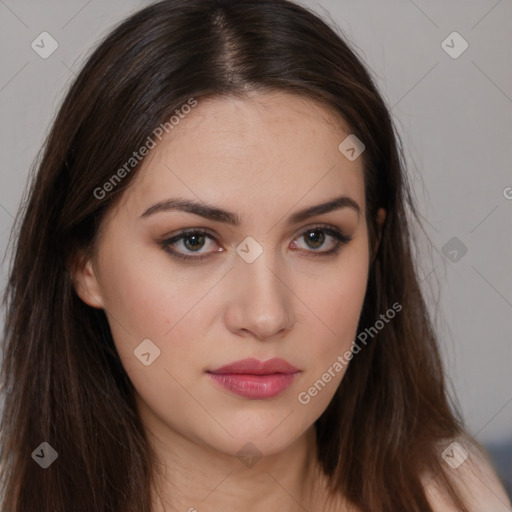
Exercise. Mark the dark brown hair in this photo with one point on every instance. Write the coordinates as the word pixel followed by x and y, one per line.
pixel 62 379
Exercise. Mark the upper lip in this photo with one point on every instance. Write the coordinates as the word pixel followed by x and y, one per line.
pixel 256 367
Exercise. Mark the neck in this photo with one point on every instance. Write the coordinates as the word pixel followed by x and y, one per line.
pixel 194 477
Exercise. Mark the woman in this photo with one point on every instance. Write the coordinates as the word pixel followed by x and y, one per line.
pixel 212 304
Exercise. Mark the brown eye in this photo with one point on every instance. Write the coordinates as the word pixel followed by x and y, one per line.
pixel 188 244
pixel 318 236
pixel 314 238
pixel 193 242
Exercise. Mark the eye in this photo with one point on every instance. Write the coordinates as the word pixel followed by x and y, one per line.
pixel 188 244
pixel 316 238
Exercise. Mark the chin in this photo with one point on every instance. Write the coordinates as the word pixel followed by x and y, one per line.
pixel 258 438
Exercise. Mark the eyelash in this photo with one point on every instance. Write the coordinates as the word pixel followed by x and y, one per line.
pixel 341 239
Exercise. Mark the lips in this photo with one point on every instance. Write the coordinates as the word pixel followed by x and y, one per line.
pixel 256 367
pixel 255 379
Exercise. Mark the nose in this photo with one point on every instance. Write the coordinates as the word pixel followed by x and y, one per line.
pixel 260 301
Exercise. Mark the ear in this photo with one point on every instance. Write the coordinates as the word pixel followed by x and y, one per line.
pixel 86 283
pixel 381 217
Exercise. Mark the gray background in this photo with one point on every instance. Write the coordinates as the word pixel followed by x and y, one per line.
pixel 454 116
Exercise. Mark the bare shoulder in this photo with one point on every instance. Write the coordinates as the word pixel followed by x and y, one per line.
pixel 476 478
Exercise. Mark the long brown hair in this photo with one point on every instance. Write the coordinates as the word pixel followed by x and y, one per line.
pixel 62 379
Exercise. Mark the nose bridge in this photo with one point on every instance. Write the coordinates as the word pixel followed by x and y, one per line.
pixel 262 305
pixel 262 277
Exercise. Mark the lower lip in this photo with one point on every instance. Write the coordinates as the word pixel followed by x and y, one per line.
pixel 254 386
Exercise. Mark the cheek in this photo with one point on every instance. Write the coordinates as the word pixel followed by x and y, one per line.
pixel 145 300
pixel 337 304
pixel 144 293
pixel 337 299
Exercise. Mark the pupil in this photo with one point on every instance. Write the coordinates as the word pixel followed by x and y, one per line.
pixel 197 241
pixel 317 237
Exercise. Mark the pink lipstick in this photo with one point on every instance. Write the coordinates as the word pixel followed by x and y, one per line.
pixel 255 379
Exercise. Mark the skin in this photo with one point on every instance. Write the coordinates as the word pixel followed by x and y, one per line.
pixel 264 158
pixel 478 481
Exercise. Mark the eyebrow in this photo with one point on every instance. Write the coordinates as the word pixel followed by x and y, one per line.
pixel 219 215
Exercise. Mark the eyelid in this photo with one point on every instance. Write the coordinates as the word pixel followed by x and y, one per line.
pixel 319 225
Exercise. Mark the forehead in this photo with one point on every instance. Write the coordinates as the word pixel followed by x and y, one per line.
pixel 265 151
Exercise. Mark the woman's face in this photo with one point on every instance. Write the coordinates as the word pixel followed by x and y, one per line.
pixel 272 281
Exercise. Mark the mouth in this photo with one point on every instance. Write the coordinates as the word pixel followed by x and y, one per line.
pixel 255 379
